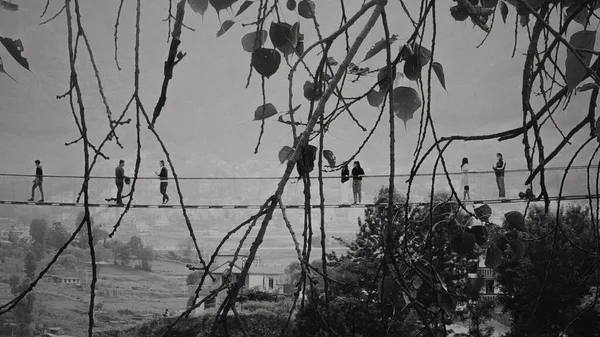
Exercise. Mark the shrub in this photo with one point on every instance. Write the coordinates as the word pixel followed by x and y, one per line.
pixel 254 294
pixel 280 308
pixel 261 323
pixel 68 261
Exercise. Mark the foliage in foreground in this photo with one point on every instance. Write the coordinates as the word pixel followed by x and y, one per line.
pixel 545 290
pixel 257 323
pixel 358 304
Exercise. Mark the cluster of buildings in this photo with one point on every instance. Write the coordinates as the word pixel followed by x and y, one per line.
pixel 12 230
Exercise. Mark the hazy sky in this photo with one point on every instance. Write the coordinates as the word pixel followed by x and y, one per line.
pixel 206 123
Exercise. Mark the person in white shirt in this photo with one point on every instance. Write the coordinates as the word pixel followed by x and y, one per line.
pixel 464 178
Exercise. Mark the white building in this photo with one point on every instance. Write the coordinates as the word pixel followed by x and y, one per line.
pixel 264 277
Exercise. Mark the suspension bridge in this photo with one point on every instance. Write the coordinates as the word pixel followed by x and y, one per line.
pixel 247 192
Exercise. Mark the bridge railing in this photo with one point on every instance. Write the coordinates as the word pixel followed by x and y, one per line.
pixel 254 190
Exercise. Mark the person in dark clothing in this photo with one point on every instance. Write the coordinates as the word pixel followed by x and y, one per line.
pixel 345 190
pixel 37 182
pixel 357 175
pixel 120 180
pixel 164 177
pixel 499 168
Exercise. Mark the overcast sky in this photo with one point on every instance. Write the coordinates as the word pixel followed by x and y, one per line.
pixel 207 122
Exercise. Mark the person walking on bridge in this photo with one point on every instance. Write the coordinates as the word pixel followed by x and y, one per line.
pixel 120 180
pixel 499 168
pixel 357 174
pixel 164 181
pixel 37 182
pixel 464 178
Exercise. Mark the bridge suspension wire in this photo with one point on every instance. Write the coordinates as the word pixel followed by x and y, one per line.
pixel 400 175
pixel 296 206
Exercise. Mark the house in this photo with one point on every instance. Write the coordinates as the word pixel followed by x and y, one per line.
pixel 69 280
pixel 268 278
pixel 490 289
pixel 17 232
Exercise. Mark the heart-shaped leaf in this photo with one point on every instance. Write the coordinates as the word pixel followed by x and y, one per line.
pixel 9 6
pixel 306 9
pixel 266 61
pixel 290 47
pixel 575 71
pixel 463 243
pixel 483 212
pixel 284 35
pixel 412 69
pixel 493 257
pixel 581 17
pixel 330 157
pixel 285 153
pixel 383 78
pixel 504 11
pixel 310 92
pixel 264 112
pixel 423 53
pixel 219 5
pixel 225 27
pixel 439 72
pixel 405 52
pixel 446 302
pixel 15 48
pixel 517 247
pixel 291 5
pixel 459 12
pixel 306 163
pixel 199 6
pixel 375 98
pixel 515 219
pixel 379 46
pixel 2 70
pixel 406 102
pixel 244 6
pixel 254 40
pixel 480 233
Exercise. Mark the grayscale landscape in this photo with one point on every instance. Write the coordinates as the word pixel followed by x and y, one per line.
pixel 192 157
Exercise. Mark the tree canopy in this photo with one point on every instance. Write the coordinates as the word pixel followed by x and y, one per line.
pixel 544 289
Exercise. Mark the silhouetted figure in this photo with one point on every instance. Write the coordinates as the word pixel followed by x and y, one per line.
pixel 166 314
pixel 164 183
pixel 120 179
pixel 37 182
pixel 345 190
pixel 357 175
pixel 464 178
pixel 499 168
pixel 528 195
